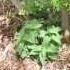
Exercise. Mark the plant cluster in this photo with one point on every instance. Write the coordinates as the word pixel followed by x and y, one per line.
pixel 61 4
pixel 39 38
pixel 42 6
pixel 36 42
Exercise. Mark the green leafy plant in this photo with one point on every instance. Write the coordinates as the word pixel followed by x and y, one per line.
pixel 33 41
pixel 42 6
pixel 59 4
pixel 36 6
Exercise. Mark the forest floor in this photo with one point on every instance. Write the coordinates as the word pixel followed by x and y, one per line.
pixel 9 60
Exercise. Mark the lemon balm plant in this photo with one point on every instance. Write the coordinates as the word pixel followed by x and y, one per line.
pixel 35 42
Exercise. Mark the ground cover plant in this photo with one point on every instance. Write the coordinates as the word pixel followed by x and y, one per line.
pixel 36 42
pixel 39 38
pixel 34 34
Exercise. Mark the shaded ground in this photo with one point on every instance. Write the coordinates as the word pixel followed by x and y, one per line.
pixel 8 59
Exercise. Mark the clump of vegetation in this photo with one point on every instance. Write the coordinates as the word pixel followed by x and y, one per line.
pixel 36 42
pixel 38 26
pixel 36 6
pixel 40 37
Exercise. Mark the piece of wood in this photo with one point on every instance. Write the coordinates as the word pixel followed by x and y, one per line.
pixel 66 26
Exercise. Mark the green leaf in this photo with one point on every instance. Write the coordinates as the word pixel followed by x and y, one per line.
pixel 53 29
pixel 42 55
pixel 35 48
pixel 52 48
pixel 24 53
pixel 42 33
pixel 34 24
pixel 33 53
pixel 53 56
pixel 20 48
pixel 30 36
pixel 46 40
pixel 56 38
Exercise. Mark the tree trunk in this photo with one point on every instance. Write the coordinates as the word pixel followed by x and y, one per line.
pixel 65 20
pixel 66 26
